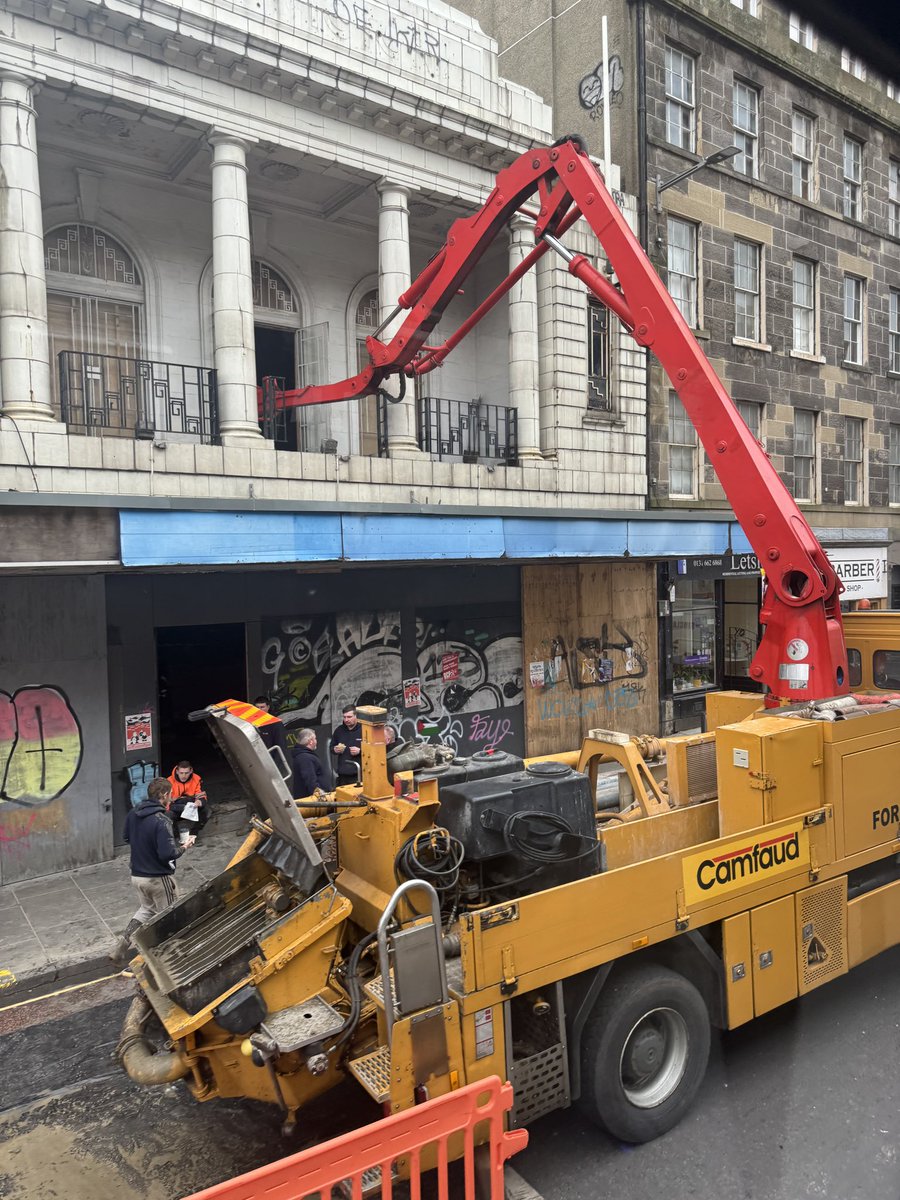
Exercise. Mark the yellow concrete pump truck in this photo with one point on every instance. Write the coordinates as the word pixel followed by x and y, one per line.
pixel 482 917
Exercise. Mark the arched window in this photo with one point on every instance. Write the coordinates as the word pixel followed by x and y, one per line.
pixel 366 324
pixel 271 290
pixel 95 308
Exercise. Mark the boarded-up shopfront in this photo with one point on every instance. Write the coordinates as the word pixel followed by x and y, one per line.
pixel 590 640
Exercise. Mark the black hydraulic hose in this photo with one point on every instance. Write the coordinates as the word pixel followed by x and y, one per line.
pixel 354 990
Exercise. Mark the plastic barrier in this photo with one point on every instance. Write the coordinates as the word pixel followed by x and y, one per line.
pixel 360 1163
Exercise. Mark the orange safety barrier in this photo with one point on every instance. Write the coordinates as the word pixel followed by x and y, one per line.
pixel 345 1160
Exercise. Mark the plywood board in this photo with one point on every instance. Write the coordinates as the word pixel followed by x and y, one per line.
pixel 590 635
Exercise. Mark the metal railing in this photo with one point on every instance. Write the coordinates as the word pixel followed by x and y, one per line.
pixel 468 430
pixel 99 393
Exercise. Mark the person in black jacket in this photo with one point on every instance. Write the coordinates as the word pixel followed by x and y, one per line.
pixel 309 773
pixel 346 745
pixel 149 833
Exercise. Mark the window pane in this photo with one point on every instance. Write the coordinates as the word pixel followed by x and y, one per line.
pixel 746 290
pixel 745 118
pixel 894 465
pixel 679 98
pixel 804 454
pixel 750 414
pixel 682 268
pixel 804 306
pixel 682 449
pixel 853 460
pixel 853 313
pixel 894 332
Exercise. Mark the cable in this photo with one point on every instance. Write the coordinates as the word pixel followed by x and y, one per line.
pixel 354 990
pixel 434 856
pixel 551 848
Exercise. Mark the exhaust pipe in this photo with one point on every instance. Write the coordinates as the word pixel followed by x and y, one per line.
pixel 142 1063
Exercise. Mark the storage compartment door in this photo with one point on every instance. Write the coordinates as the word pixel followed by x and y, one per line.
pixel 773 934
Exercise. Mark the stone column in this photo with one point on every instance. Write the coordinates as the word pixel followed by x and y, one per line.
pixel 235 356
pixel 393 278
pixel 24 338
pixel 524 395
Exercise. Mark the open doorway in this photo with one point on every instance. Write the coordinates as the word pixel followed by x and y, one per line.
pixel 276 355
pixel 198 665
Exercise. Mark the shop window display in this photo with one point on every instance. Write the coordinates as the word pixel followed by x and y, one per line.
pixel 694 635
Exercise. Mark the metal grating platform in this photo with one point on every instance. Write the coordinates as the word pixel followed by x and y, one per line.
pixel 301 1024
pixel 374 1073
pixel 374 989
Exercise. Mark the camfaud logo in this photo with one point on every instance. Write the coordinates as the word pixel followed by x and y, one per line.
pixel 745 863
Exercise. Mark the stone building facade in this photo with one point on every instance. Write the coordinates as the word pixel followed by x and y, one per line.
pixel 197 196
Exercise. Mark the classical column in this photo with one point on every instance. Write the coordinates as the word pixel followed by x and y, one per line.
pixel 394 278
pixel 24 341
pixel 524 396
pixel 233 291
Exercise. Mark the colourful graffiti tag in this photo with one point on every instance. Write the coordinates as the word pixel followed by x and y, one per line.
pixel 41 745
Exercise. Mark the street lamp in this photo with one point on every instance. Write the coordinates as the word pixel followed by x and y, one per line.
pixel 711 160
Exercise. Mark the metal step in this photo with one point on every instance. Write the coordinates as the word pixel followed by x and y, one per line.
pixel 373 1071
pixel 374 989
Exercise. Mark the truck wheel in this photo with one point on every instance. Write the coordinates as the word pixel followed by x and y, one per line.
pixel 644 1053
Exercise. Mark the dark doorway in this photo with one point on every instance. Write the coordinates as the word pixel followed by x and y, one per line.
pixel 275 356
pixel 197 665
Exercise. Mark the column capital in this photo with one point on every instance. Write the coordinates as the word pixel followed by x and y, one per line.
pixel 385 185
pixel 27 78
pixel 518 222
pixel 222 137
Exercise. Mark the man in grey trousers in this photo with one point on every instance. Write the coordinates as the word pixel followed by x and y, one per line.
pixel 149 833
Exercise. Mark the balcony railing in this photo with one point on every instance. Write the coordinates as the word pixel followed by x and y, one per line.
pixel 468 431
pixel 99 393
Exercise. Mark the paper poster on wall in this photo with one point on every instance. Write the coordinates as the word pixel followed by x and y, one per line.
pixel 449 667
pixel 138 731
pixel 412 693
pixel 536 674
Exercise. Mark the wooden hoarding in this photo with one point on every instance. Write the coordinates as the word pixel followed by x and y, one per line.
pixel 590 639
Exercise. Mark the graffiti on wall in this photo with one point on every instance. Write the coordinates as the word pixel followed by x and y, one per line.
pixel 380 25
pixel 314 665
pixel 612 666
pixel 590 89
pixel 41 746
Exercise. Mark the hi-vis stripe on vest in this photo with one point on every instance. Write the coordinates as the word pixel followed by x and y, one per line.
pixel 248 712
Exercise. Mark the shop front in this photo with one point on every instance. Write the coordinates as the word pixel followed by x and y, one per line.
pixel 710 631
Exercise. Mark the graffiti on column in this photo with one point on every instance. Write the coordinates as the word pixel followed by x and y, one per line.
pixel 41 746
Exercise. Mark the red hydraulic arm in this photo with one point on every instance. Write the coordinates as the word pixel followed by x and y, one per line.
pixel 801 655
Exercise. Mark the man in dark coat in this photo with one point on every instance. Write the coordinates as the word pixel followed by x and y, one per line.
pixel 346 745
pixel 309 773
pixel 149 833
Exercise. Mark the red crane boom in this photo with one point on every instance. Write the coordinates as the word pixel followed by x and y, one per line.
pixel 801 655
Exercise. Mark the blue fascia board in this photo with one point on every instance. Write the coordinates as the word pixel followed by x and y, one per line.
pixel 151 538
pixel 564 537
pixel 400 538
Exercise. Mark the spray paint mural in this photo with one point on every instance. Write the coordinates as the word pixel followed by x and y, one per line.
pixel 41 746
pixel 464 669
pixel 610 668
pixel 590 89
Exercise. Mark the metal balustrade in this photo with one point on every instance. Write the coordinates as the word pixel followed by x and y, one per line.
pixel 102 394
pixel 468 430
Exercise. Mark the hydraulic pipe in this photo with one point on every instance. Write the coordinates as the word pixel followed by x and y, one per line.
pixel 141 1062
